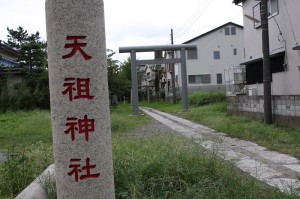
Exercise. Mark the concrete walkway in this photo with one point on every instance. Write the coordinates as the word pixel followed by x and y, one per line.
pixel 273 168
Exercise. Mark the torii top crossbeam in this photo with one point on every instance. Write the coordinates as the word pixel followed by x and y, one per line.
pixel 128 49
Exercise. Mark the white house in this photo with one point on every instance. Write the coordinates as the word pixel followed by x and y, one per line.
pixel 217 50
pixel 284 35
pixel 147 85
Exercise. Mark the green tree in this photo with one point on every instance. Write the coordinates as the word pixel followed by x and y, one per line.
pixel 113 71
pixel 119 75
pixel 16 38
pixel 125 75
pixel 32 49
pixel 126 69
pixel 159 72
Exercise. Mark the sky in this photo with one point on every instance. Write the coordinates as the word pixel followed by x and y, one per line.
pixel 133 22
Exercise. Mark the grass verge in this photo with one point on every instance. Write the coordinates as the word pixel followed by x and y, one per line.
pixel 160 168
pixel 214 115
pixel 273 137
pixel 25 128
pixel 22 166
pixel 155 167
pixel 26 143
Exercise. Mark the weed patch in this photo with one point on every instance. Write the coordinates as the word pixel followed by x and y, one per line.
pixel 178 168
pixel 22 166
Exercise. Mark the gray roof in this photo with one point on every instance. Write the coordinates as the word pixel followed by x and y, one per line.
pixel 229 23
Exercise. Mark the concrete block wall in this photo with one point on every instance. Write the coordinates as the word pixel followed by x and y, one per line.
pixel 286 109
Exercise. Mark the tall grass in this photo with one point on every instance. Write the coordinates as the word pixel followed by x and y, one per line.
pixel 122 121
pixel 285 140
pixel 26 143
pixel 160 168
pixel 22 166
pixel 144 167
pixel 214 115
pixel 25 128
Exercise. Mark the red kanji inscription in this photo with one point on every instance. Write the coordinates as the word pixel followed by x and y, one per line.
pixel 79 85
pixel 76 169
pixel 76 47
pixel 84 125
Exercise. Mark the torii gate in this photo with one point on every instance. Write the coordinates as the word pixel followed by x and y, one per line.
pixel 134 63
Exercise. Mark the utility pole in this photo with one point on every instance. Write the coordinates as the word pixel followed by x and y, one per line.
pixel 266 63
pixel 173 71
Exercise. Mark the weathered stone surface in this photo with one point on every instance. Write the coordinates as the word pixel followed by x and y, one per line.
pixel 35 190
pixel 79 98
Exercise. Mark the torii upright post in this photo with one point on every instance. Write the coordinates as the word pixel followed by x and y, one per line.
pixel 134 85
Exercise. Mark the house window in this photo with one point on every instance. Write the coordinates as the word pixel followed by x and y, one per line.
pixel 256 15
pixel 230 30
pixel 192 79
pixel 272 10
pixel 227 31
pixel 234 51
pixel 217 55
pixel 199 79
pixel 148 75
pixel 233 31
pixel 206 78
pixel 273 7
pixel 219 78
pixel 192 54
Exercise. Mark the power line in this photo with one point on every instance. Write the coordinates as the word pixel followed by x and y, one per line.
pixel 193 19
pixel 181 28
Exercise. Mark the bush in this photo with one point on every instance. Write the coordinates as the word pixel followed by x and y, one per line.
pixel 31 93
pixel 204 98
pixel 4 99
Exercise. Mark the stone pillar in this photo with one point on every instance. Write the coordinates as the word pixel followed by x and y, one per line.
pixel 79 99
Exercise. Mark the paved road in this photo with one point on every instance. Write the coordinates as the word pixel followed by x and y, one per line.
pixel 273 168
